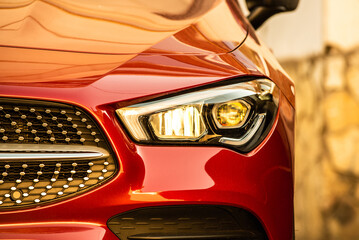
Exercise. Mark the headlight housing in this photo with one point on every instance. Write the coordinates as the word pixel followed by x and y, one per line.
pixel 237 115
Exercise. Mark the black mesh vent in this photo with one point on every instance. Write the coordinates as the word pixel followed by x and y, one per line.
pixel 187 222
pixel 69 153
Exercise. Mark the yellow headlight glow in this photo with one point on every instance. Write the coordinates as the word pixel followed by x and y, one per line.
pixel 184 122
pixel 231 114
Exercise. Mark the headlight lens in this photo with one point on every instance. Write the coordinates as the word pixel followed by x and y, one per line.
pixel 184 122
pixel 238 115
pixel 231 114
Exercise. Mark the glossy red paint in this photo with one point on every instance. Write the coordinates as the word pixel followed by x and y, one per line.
pixel 101 82
pixel 54 230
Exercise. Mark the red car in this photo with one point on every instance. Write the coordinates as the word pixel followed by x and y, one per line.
pixel 143 120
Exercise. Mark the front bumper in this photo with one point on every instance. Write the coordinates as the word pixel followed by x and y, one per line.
pixel 260 182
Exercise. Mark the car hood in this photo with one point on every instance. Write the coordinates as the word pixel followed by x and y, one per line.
pixel 121 50
pixel 65 39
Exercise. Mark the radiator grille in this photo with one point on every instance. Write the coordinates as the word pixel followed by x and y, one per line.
pixel 34 122
pixel 49 151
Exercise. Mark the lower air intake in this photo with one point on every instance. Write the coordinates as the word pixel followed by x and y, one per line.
pixel 187 222
pixel 49 151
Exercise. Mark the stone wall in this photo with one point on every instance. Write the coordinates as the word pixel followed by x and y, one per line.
pixel 327 145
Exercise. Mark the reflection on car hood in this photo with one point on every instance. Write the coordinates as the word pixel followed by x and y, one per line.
pixel 83 40
pixel 113 27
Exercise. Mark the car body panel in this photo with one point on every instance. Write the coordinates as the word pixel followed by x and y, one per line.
pixel 55 230
pixel 180 53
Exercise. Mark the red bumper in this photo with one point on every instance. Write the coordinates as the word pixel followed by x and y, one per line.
pixel 260 182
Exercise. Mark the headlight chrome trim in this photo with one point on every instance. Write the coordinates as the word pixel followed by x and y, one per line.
pixel 260 96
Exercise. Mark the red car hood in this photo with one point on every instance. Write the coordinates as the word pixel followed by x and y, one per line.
pixel 66 39
pixel 69 50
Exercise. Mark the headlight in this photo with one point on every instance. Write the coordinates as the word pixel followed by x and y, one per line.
pixel 239 115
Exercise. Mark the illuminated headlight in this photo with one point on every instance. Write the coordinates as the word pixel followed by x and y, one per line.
pixel 184 122
pixel 238 115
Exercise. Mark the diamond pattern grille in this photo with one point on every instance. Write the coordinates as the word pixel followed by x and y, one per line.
pixel 29 182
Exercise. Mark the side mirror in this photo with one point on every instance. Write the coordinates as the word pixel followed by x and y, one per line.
pixel 261 10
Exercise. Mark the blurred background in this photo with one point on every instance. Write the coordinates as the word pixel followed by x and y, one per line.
pixel 318 45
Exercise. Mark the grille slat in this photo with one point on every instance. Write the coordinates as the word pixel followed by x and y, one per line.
pixel 34 128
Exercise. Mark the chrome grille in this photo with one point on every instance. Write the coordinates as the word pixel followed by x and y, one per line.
pixel 49 151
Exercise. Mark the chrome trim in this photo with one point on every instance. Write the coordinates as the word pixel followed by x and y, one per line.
pixel 243 140
pixel 44 152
